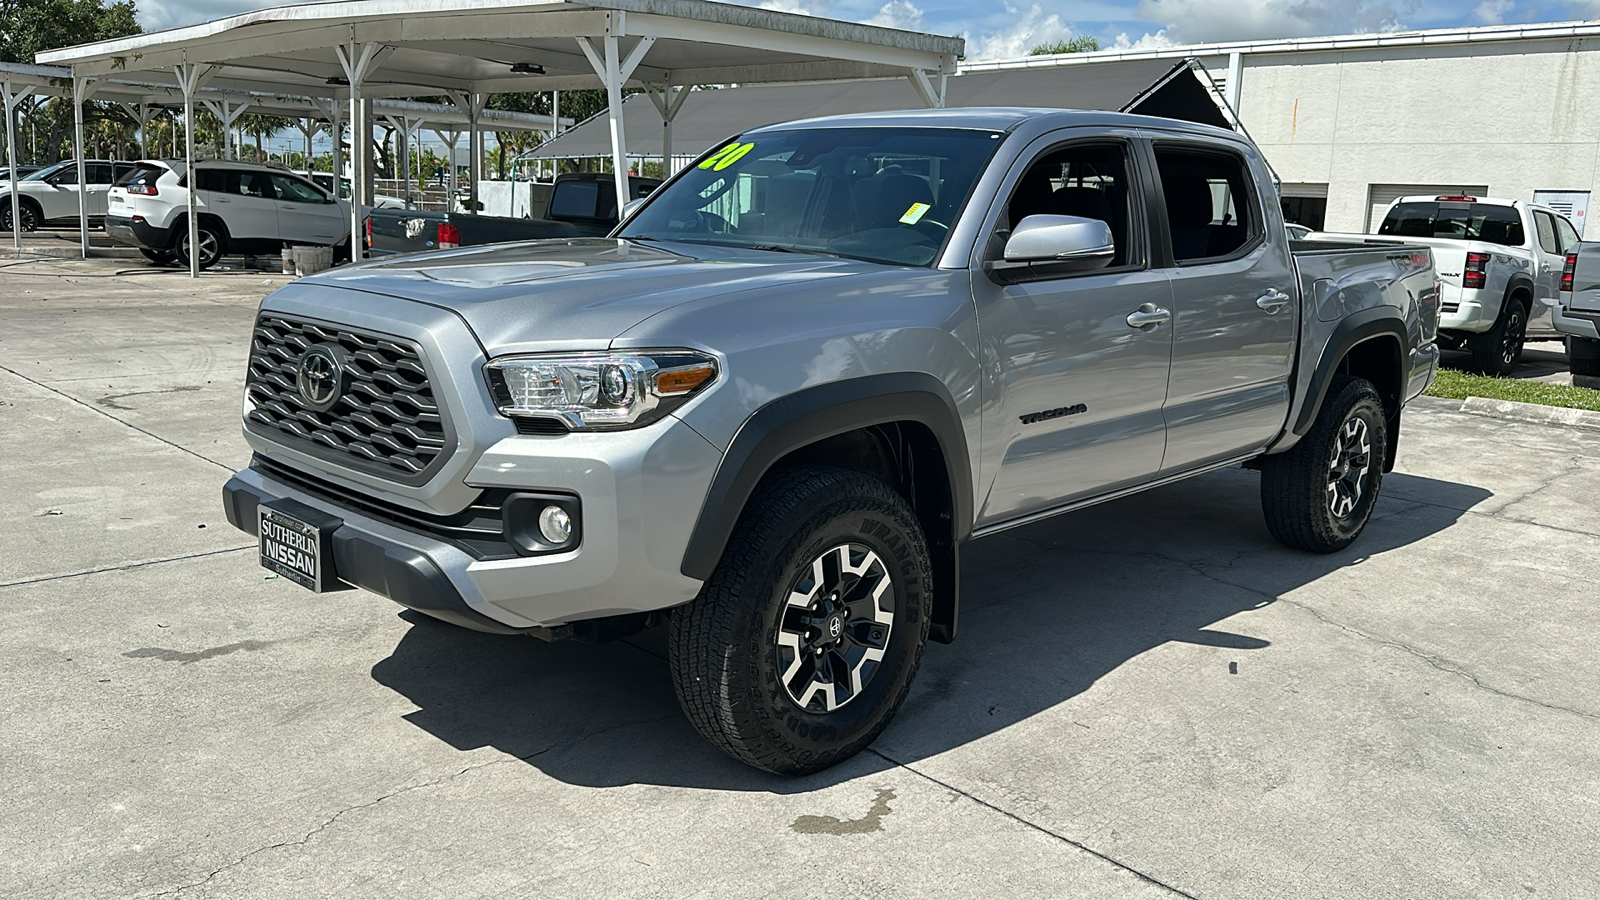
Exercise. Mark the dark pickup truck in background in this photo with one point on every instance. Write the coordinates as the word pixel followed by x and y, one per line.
pixel 582 204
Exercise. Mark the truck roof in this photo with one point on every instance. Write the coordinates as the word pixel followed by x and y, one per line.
pixel 996 118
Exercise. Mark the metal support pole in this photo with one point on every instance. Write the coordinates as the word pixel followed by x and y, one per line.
pixel 1235 80
pixel 614 71
pixel 668 104
pixel 80 92
pixel 10 96
pixel 475 147
pixel 189 81
pixel 405 154
pixel 356 60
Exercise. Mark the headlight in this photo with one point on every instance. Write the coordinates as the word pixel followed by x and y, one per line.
pixel 597 391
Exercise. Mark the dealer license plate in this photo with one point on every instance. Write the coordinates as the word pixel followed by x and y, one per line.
pixel 291 548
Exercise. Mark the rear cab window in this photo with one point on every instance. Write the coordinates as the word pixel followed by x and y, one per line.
pixel 1487 222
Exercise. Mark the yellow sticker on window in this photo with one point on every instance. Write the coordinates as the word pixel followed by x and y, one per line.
pixel 726 157
pixel 915 213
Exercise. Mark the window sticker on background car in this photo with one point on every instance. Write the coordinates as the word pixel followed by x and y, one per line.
pixel 915 213
pixel 727 156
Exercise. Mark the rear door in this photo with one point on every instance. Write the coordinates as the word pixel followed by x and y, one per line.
pixel 1078 386
pixel 306 215
pixel 1235 306
pixel 99 176
pixel 1547 251
pixel 237 197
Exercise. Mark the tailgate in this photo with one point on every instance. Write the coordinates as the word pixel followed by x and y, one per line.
pixel 1585 296
pixel 403 231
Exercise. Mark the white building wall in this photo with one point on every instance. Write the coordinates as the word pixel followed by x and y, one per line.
pixel 1517 116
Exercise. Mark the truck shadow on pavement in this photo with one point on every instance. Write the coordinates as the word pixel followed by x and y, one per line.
pixel 1047 610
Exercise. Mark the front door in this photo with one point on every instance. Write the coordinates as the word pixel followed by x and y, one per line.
pixel 1235 307
pixel 1077 385
pixel 306 215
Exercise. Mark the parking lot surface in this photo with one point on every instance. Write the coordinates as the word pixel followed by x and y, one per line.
pixel 1150 698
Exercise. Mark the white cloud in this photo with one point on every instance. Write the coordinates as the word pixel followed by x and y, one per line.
pixel 1029 29
pixel 802 7
pixel 1146 41
pixel 1208 20
pixel 901 14
pixel 1492 12
pixel 173 13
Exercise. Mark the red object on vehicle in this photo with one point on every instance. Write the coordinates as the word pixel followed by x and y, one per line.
pixel 449 236
pixel 1566 272
pixel 1477 273
pixel 366 225
pixel 143 190
pixel 1460 198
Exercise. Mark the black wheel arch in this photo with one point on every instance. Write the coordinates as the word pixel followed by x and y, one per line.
pixel 885 425
pixel 1369 344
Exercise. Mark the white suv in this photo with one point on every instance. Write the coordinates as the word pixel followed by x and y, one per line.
pixel 50 195
pixel 240 208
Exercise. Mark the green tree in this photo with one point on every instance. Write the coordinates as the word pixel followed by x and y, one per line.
pixel 30 26
pixel 1078 43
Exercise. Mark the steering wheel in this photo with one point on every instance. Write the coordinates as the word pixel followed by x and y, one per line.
pixel 697 221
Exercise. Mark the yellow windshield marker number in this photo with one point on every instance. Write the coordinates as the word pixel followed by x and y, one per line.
pixel 915 213
pixel 726 157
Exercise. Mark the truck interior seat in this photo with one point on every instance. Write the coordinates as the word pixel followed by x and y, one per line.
pixel 1189 214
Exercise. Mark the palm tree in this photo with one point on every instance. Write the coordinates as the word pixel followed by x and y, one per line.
pixel 261 126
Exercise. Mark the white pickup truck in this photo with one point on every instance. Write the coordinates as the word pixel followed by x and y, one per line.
pixel 1500 262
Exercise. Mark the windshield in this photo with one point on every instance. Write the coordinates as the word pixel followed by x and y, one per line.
pixel 47 171
pixel 1488 222
pixel 885 195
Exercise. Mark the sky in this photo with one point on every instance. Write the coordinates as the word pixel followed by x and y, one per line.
pixel 1009 28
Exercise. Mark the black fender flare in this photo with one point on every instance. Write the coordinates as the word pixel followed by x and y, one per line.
pixel 1379 324
pixel 1519 282
pixel 816 413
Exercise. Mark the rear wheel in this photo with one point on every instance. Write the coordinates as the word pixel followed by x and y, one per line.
pixel 804 642
pixel 1583 356
pixel 210 243
pixel 30 215
pixel 1498 350
pixel 1319 495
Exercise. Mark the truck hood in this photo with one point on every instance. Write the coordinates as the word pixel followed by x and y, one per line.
pixel 575 293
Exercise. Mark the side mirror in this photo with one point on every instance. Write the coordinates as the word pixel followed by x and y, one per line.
pixel 631 207
pixel 1048 246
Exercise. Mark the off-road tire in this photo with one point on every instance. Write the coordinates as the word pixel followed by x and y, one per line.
pixel 213 243
pixel 724 649
pixel 31 215
pixel 1295 485
pixel 1583 356
pixel 1498 350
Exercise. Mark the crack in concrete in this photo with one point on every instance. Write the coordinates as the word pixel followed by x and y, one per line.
pixel 89 406
pixel 1148 879
pixel 329 821
pixel 126 566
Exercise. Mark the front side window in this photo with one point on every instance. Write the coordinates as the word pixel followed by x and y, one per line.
pixel 1089 181
pixel 1210 210
pixel 1461 220
pixel 1546 225
pixel 880 194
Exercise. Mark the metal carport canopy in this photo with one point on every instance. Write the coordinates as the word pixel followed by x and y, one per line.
pixel 1151 86
pixel 468 49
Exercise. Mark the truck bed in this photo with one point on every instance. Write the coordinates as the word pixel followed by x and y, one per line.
pixel 392 231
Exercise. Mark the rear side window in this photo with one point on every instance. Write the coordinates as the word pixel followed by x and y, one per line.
pixel 1486 222
pixel 142 173
pixel 98 173
pixel 1568 234
pixel 296 191
pixel 576 199
pixel 1210 210
pixel 222 181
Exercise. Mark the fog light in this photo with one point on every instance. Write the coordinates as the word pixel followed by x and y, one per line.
pixel 555 525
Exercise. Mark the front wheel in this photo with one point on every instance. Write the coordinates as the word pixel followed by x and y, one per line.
pixel 1319 495
pixel 803 644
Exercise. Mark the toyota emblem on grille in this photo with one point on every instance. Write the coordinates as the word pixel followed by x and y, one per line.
pixel 320 376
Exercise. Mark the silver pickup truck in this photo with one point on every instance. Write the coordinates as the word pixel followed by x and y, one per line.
pixel 768 410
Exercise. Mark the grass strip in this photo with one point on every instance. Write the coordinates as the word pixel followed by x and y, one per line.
pixel 1458 385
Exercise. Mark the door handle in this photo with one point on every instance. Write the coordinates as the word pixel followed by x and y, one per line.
pixel 1148 316
pixel 1272 301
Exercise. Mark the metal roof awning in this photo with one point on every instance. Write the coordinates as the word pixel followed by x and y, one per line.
pixel 1147 86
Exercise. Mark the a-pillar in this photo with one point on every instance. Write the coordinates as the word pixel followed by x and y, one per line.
pixel 614 72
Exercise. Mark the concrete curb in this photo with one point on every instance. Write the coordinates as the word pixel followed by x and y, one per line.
pixel 1531 412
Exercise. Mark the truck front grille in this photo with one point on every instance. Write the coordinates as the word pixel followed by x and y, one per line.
pixel 385 419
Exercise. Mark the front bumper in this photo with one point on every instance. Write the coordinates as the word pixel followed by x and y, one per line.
pixel 137 232
pixel 639 490
pixel 1577 324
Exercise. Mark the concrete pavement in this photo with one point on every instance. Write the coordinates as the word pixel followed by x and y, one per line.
pixel 1147 699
